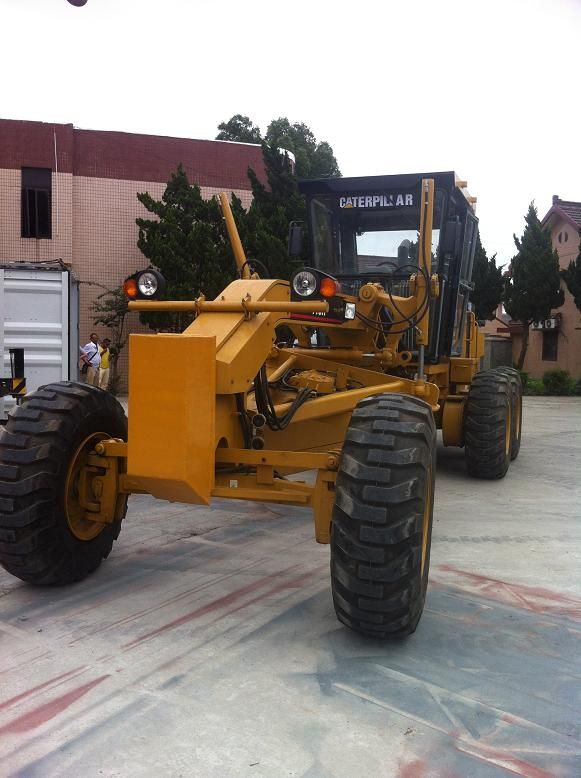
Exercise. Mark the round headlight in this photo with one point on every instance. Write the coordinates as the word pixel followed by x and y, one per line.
pixel 304 283
pixel 147 283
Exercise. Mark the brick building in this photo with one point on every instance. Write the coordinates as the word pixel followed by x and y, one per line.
pixel 70 194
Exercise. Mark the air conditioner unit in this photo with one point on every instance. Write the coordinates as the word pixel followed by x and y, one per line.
pixel 550 324
pixel 537 325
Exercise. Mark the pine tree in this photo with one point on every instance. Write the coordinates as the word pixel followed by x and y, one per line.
pixel 187 243
pixel 488 284
pixel 533 283
pixel 572 278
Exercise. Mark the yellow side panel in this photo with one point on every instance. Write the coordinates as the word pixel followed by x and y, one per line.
pixel 480 344
pixel 172 415
pixel 462 369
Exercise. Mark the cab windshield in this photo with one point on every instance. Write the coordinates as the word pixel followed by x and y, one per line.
pixel 372 236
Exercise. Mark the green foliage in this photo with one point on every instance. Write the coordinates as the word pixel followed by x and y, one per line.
pixel 558 382
pixel 314 159
pixel 525 378
pixel 488 284
pixel 533 282
pixel 110 310
pixel 572 278
pixel 533 287
pixel 239 128
pixel 534 388
pixel 264 229
pixel 187 242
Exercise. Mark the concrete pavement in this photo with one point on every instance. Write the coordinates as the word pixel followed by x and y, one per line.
pixel 206 645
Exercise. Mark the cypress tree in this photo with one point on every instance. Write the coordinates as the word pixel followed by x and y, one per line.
pixel 187 242
pixel 572 278
pixel 488 284
pixel 533 282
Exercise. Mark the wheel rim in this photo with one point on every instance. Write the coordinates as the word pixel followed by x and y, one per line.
pixel 507 431
pixel 426 519
pixel 81 527
pixel 518 414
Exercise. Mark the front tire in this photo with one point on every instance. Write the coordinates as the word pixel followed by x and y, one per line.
pixel 488 425
pixel 44 537
pixel 382 517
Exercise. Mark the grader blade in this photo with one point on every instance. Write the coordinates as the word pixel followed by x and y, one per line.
pixel 172 416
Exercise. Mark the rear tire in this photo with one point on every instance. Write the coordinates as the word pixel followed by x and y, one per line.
pixel 40 440
pixel 487 425
pixel 516 407
pixel 382 517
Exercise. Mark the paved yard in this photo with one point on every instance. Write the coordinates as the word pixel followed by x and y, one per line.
pixel 207 645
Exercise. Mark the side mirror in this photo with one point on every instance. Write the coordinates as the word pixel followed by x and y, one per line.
pixel 295 239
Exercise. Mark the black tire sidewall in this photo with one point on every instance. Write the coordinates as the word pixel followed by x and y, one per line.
pixel 412 425
pixel 36 542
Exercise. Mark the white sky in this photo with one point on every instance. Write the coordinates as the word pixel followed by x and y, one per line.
pixel 488 88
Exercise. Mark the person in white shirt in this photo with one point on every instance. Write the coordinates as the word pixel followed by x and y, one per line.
pixel 91 356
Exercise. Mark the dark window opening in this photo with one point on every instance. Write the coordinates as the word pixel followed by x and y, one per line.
pixel 550 345
pixel 36 203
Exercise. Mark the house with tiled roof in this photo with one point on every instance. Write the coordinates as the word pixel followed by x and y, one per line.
pixel 564 213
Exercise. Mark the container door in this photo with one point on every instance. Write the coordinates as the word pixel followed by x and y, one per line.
pixel 35 308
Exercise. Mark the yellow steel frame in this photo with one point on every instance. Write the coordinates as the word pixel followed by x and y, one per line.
pixel 186 439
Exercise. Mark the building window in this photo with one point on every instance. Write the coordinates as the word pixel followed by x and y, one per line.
pixel 36 203
pixel 550 345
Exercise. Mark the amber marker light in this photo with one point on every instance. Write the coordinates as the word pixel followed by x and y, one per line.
pixel 329 287
pixel 130 289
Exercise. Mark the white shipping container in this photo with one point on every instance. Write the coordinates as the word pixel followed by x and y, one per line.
pixel 39 312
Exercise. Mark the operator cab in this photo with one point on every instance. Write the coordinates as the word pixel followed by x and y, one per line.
pixel 366 230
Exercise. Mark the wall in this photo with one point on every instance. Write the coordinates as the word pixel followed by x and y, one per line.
pixel 497 352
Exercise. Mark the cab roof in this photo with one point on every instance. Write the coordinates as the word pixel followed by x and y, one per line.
pixel 333 186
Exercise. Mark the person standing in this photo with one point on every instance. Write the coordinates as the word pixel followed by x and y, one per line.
pixel 92 360
pixel 104 366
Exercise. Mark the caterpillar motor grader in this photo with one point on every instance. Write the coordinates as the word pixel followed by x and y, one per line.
pixel 347 370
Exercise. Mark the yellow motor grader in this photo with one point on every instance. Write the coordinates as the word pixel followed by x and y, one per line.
pixel 347 370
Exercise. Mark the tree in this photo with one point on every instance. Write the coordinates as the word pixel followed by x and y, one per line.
pixel 187 243
pixel 572 278
pixel 488 283
pixel 264 229
pixel 239 128
pixel 533 282
pixel 314 159
pixel 110 310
